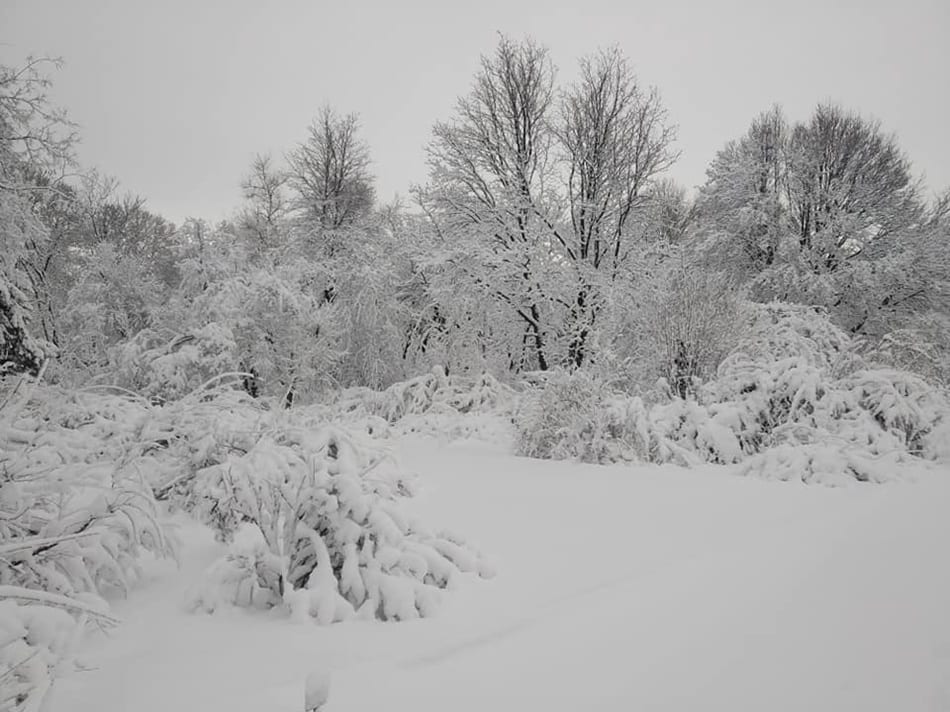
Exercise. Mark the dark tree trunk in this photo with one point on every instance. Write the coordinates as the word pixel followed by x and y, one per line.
pixel 16 354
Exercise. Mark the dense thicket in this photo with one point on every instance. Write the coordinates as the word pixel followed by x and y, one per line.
pixel 546 236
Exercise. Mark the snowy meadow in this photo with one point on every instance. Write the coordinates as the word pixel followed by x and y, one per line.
pixel 553 433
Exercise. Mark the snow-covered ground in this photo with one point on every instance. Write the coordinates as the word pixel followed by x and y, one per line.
pixel 618 588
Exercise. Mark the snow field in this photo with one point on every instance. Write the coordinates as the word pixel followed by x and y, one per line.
pixel 618 588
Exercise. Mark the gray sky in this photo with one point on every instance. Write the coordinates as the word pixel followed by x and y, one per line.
pixel 175 96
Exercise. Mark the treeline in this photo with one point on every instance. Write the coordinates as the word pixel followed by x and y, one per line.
pixel 548 235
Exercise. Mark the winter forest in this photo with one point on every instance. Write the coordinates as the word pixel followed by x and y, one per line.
pixel 551 401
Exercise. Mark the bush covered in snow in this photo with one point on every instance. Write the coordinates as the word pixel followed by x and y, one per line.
pixel 689 325
pixel 76 512
pixel 163 367
pixel 312 513
pixel 38 639
pixel 431 392
pixel 799 379
pixel 575 415
pixel 922 347
pixel 793 400
pixel 311 510
pixel 433 404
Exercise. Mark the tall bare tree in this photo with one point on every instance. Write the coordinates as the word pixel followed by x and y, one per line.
pixel 545 184
pixel 330 172
pixel 745 200
pixel 616 139
pixel 264 192
pixel 824 212
pixel 850 184
pixel 837 183
pixel 36 140
pixel 490 177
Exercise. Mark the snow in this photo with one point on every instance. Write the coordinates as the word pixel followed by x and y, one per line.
pixel 655 588
pixel 316 690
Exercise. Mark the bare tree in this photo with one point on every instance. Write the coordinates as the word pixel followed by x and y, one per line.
pixel 744 202
pixel 825 212
pixel 838 184
pixel 33 132
pixel 670 213
pixel 906 278
pixel 690 326
pixel 545 185
pixel 616 139
pixel 849 184
pixel 101 214
pixel 330 172
pixel 489 179
pixel 36 141
pixel 264 192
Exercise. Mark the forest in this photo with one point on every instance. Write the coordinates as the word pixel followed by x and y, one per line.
pixel 549 287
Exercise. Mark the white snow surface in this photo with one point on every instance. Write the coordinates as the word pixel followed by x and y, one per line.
pixel 618 588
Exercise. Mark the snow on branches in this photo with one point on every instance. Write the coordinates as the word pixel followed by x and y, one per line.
pixel 432 404
pixel 314 522
pixel 312 513
pixel 793 400
pixel 76 513
pixel 311 510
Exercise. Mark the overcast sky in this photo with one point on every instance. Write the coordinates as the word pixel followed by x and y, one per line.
pixel 175 96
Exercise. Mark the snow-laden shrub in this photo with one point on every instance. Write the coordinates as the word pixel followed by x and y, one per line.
pixel 922 347
pixel 937 441
pixel 77 506
pixel 323 499
pixel 675 320
pixel 779 331
pixel 686 432
pixel 902 404
pixel 235 310
pixel 76 513
pixel 38 639
pixel 312 510
pixel 416 395
pixel 575 416
pixel 821 463
pixel 273 311
pixel 799 379
pixel 433 404
pixel 313 515
pixel 111 300
pixel 165 368
pixel 794 382
pixel 691 325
